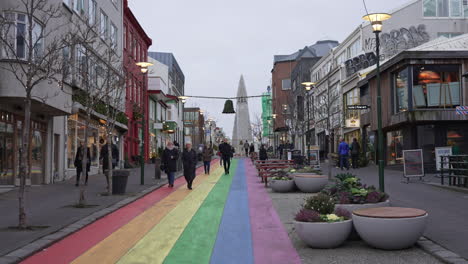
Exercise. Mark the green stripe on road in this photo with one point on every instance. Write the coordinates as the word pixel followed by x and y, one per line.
pixel 196 243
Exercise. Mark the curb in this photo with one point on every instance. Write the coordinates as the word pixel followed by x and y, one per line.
pixel 37 245
pixel 447 187
pixel 440 252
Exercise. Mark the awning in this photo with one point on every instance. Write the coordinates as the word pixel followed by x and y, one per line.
pixel 161 96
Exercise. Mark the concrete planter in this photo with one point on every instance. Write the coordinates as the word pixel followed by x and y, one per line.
pixel 323 235
pixel 390 233
pixel 310 183
pixel 282 185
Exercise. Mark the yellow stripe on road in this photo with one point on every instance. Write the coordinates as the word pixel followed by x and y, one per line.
pixel 111 249
pixel 156 245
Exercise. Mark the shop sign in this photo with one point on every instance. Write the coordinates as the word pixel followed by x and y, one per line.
pixel 158 126
pixel 413 163
pixel 353 122
pixel 462 110
pixel 357 107
pixel 442 153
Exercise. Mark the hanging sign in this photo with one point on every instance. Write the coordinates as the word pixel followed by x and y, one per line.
pixel 353 122
pixel 462 110
pixel 413 163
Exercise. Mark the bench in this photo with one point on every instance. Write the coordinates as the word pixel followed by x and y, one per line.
pixel 390 228
pixel 266 171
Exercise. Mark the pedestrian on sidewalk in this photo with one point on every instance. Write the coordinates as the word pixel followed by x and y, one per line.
pixel 246 148
pixel 263 155
pixel 79 164
pixel 226 155
pixel 355 149
pixel 169 162
pixel 189 159
pixel 105 160
pixel 207 155
pixel 251 149
pixel 343 151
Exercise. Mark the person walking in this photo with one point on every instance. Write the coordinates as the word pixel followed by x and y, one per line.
pixel 263 153
pixel 355 149
pixel 280 150
pixel 105 160
pixel 207 155
pixel 169 162
pixel 226 155
pixel 79 164
pixel 251 149
pixel 189 159
pixel 246 148
pixel 343 151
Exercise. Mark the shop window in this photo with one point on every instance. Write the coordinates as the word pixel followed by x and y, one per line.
pixel 401 90
pixel 286 84
pixel 395 147
pixel 436 86
pixel 76 134
pixel 457 138
pixel 352 98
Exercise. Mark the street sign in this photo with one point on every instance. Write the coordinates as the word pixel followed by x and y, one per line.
pixel 462 110
pixel 358 107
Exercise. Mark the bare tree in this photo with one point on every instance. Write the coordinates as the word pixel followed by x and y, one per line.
pixel 257 128
pixel 99 80
pixel 36 61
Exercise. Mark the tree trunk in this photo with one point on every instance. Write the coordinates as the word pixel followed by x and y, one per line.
pixel 109 160
pixel 24 161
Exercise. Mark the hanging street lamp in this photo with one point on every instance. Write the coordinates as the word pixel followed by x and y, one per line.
pixel 376 21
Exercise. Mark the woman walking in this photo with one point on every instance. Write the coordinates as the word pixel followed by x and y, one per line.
pixel 207 155
pixel 189 159
pixel 79 164
pixel 169 162
pixel 263 153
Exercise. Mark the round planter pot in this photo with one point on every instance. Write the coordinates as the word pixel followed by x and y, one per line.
pixel 282 186
pixel 390 233
pixel 351 207
pixel 323 235
pixel 310 183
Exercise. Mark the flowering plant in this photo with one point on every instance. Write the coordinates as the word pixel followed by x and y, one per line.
pixel 321 208
pixel 348 189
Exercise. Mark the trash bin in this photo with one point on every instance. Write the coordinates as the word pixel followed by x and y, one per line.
pixel 119 181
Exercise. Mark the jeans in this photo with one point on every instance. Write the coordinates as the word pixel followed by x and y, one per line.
pixel 170 177
pixel 227 164
pixel 78 174
pixel 344 162
pixel 355 159
pixel 207 166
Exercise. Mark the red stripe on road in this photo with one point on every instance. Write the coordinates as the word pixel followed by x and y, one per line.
pixel 72 246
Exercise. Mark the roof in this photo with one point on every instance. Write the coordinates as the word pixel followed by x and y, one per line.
pixel 319 49
pixel 445 44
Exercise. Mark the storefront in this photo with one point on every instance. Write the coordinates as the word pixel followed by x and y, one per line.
pixel 10 141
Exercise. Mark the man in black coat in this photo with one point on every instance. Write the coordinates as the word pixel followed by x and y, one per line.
pixel 105 159
pixel 226 155
pixel 263 153
pixel 79 163
pixel 189 159
pixel 169 162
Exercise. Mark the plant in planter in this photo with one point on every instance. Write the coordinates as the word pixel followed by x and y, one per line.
pixel 282 183
pixel 309 180
pixel 319 225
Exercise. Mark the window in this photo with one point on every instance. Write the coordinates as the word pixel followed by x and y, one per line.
pixel 67 2
pixel 448 34
pixel 131 44
pixel 81 62
pixel 104 25
pixel 341 58
pixel 401 91
pixel 113 35
pixel 92 12
pixel 16 34
pixel 37 39
pixel 354 49
pixel 66 58
pixel 394 147
pixel 21 36
pixel 79 6
pixel 436 86
pixel 445 8
pixel 352 98
pixel 286 84
pixel 125 36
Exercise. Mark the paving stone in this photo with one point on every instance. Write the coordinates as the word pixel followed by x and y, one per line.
pixel 9 259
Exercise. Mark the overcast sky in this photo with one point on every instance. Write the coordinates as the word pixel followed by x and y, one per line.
pixel 215 41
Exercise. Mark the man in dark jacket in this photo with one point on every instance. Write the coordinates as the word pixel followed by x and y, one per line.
pixel 226 155
pixel 79 163
pixel 355 148
pixel 189 159
pixel 263 153
pixel 169 162
pixel 105 159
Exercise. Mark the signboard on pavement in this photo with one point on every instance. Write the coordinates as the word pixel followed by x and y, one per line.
pixel 442 152
pixel 314 155
pixel 413 163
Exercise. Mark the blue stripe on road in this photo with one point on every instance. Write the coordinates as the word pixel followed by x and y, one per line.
pixel 234 240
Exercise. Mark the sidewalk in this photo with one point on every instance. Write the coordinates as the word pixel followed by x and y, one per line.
pixel 447 208
pixel 49 205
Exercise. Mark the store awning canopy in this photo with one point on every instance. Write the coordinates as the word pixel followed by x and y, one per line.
pixel 161 96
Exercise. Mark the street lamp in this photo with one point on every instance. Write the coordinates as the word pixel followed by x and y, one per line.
pixel 376 21
pixel 183 99
pixel 308 87
pixel 144 69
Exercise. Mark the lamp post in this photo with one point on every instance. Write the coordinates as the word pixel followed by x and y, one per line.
pixel 273 132
pixel 308 87
pixel 144 69
pixel 376 22
pixel 183 99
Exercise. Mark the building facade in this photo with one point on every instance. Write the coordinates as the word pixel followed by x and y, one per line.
pixel 135 49
pixel 194 124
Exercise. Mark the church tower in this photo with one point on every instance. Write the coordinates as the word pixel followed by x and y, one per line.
pixel 242 130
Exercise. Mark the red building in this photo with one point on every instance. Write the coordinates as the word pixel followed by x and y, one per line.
pixel 136 44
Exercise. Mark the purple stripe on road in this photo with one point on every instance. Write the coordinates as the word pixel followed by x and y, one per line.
pixel 270 240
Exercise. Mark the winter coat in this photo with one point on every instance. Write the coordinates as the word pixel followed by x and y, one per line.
pixel 263 154
pixel 246 145
pixel 355 148
pixel 169 159
pixel 79 159
pixel 207 154
pixel 189 159
pixel 252 148
pixel 226 150
pixel 343 148
pixel 105 156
